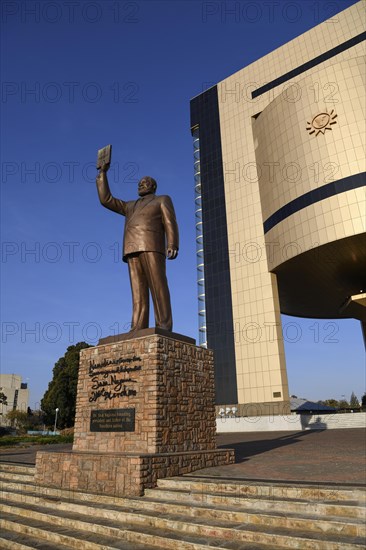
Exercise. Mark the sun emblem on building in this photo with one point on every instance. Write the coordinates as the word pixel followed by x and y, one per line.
pixel 322 122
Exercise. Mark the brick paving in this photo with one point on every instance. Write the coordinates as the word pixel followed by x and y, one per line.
pixel 328 456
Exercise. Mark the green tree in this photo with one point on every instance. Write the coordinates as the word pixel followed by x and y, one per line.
pixel 363 402
pixel 61 392
pixel 18 419
pixel 35 420
pixel 3 399
pixel 354 402
pixel 331 403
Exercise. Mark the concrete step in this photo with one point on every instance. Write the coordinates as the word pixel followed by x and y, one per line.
pixel 7 542
pixel 13 476
pixel 308 492
pixel 186 513
pixel 46 536
pixel 40 534
pixel 15 540
pixel 75 531
pixel 28 470
pixel 311 522
pixel 136 527
pixel 345 510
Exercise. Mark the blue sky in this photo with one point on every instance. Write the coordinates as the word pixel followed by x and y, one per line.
pixel 77 77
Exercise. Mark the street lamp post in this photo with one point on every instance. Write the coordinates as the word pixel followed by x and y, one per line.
pixel 54 427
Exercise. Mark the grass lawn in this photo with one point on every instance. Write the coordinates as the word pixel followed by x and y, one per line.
pixel 25 440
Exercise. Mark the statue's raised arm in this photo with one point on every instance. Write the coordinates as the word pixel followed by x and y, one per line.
pixel 105 196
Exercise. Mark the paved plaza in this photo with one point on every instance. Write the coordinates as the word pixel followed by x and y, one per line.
pixel 328 456
pixel 321 456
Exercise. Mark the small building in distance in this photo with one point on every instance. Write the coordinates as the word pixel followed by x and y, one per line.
pixel 300 405
pixel 17 395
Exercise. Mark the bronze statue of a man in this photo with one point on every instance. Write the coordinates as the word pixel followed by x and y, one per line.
pixel 150 235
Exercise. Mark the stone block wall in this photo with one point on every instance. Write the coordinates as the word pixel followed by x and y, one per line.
pixel 168 383
pixel 145 410
pixel 117 474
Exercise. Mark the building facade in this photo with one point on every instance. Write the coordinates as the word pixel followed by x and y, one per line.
pixel 17 396
pixel 279 157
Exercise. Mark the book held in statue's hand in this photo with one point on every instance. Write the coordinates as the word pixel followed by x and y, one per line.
pixel 104 156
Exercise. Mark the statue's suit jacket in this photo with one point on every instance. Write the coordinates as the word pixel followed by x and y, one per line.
pixel 150 225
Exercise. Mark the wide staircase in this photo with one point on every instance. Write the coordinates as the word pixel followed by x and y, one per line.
pixel 183 513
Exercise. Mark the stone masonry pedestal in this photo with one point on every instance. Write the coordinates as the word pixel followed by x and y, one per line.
pixel 145 410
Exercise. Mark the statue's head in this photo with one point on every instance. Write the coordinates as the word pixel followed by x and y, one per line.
pixel 146 186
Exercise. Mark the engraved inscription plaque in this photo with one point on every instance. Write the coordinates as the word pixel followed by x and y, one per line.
pixel 112 420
